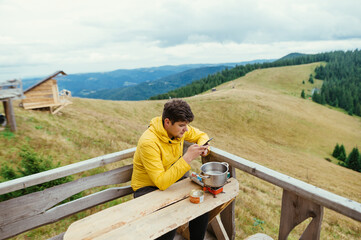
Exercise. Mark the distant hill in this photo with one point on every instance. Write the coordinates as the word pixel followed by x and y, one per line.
pixel 144 90
pixel 100 84
pixel 291 56
pixel 84 83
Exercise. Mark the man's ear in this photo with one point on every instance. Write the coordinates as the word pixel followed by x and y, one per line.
pixel 167 122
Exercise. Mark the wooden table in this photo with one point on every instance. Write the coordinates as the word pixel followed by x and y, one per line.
pixel 151 215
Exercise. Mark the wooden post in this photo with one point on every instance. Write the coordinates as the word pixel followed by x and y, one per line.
pixel 227 215
pixel 295 210
pixel 9 113
pixel 5 109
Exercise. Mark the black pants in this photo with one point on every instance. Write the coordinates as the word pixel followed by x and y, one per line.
pixel 197 227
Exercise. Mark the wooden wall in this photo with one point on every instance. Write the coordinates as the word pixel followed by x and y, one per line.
pixel 44 95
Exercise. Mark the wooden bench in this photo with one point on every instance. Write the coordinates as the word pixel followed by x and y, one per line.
pixel 153 214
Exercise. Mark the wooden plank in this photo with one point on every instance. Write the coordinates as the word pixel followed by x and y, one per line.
pixel 39 89
pixel 320 196
pixel 35 203
pixel 64 210
pixel 219 229
pixel 149 216
pixel 48 82
pixel 24 182
pixel 55 93
pixel 38 93
pixel 9 83
pixel 35 106
pixel 10 93
pixel 11 89
pixel 63 104
pixel 37 100
pixel 43 86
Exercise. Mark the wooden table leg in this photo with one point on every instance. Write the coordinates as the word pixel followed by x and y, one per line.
pixel 214 220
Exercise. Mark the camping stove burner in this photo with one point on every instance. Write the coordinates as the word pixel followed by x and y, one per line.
pixel 214 191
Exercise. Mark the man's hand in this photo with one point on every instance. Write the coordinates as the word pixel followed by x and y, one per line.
pixel 205 152
pixel 194 151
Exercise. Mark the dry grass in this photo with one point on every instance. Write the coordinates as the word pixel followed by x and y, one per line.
pixel 260 117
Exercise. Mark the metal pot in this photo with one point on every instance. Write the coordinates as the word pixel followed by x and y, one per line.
pixel 214 174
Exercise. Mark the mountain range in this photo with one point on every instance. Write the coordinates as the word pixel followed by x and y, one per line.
pixel 135 84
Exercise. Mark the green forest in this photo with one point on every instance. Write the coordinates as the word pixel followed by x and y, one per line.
pixel 342 81
pixel 341 75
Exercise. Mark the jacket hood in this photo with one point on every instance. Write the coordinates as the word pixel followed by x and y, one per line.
pixel 156 126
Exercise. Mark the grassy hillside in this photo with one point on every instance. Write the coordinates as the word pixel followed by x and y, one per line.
pixel 260 117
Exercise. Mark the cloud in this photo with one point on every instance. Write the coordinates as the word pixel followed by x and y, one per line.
pixel 41 36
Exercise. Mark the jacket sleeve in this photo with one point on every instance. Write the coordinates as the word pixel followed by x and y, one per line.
pixel 150 156
pixel 194 135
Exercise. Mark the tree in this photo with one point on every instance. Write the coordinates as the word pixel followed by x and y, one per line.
pixel 342 155
pixel 323 99
pixel 336 151
pixel 310 79
pixel 358 109
pixel 303 94
pixel 316 97
pixel 353 160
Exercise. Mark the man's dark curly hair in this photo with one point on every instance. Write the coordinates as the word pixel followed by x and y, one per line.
pixel 177 110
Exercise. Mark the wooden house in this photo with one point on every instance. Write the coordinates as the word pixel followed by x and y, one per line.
pixel 45 95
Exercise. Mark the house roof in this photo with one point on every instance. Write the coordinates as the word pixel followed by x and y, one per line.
pixel 45 79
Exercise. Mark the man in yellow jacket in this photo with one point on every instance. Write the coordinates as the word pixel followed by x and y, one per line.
pixel 159 161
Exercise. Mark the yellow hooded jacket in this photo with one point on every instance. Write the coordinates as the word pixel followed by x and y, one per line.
pixel 158 160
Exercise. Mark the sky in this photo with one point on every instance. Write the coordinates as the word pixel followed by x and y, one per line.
pixel 40 37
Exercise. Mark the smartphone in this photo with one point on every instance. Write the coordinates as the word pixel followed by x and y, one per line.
pixel 207 141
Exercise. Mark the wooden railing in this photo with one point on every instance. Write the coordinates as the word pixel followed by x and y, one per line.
pixel 299 202
pixel 27 212
pixel 10 90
